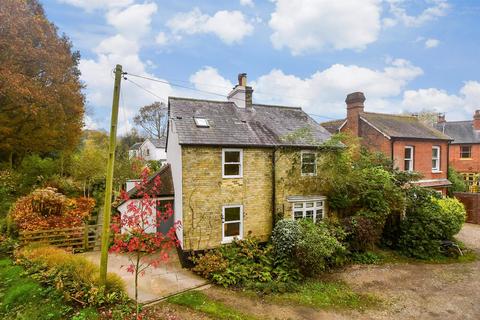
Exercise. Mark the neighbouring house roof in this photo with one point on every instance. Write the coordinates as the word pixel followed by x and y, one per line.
pixel 166 186
pixel 395 126
pixel 159 143
pixel 433 183
pixel 262 125
pixel 136 146
pixel 460 131
pixel 333 126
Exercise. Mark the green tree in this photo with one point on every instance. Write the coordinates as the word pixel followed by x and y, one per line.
pixel 41 103
pixel 153 118
pixel 89 165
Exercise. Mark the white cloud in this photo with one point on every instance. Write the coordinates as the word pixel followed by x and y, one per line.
pixel 459 106
pixel 122 48
pixel 436 9
pixel 431 43
pixel 133 21
pixel 324 91
pixel 90 5
pixel 313 25
pixel 208 79
pixel 230 26
pixel 161 39
pixel 89 123
pixel 248 3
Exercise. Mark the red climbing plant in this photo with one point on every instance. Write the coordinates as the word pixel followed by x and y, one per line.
pixel 136 230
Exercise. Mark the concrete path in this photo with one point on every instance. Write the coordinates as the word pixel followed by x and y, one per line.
pixel 167 279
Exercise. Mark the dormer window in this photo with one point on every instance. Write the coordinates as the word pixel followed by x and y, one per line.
pixel 202 122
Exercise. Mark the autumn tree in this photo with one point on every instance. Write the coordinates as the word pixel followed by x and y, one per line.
pixel 41 103
pixel 153 119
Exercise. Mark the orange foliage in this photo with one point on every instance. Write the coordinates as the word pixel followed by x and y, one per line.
pixel 46 209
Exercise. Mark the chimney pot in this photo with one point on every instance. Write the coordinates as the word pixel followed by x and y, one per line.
pixel 441 118
pixel 242 79
pixel 355 107
pixel 241 95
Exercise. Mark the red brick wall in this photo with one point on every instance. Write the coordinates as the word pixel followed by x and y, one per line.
pixel 370 138
pixel 471 201
pixel 422 161
pixel 465 165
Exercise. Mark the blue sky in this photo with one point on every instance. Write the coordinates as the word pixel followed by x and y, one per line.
pixel 405 55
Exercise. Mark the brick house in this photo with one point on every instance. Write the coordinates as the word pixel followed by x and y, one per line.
pixel 234 165
pixel 464 154
pixel 410 144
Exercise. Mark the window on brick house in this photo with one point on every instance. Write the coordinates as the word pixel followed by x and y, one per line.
pixel 232 223
pixel 465 152
pixel 408 158
pixel 232 163
pixel 309 163
pixel 313 210
pixel 436 158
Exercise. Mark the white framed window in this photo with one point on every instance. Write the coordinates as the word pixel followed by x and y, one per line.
pixel 232 163
pixel 435 158
pixel 309 163
pixel 232 223
pixel 310 209
pixel 465 152
pixel 408 158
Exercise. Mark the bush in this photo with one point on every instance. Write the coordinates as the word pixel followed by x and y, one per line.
pixel 8 190
pixel 366 258
pixel 363 232
pixel 65 185
pixel 458 183
pixel 285 236
pixel 428 222
pixel 35 170
pixel 74 275
pixel 47 209
pixel 7 245
pixel 317 249
pixel 246 264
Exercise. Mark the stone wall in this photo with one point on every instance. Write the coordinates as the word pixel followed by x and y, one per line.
pixel 205 192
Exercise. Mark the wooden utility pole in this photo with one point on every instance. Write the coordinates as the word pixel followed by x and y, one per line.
pixel 109 182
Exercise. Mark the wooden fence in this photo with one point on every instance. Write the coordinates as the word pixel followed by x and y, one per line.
pixel 472 205
pixel 84 238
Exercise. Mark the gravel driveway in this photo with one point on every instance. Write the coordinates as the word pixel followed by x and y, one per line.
pixel 423 291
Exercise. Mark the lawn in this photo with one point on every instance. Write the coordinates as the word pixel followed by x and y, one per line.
pixel 22 297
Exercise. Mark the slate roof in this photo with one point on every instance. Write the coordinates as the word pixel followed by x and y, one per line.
pixel 136 146
pixel 401 126
pixel 159 143
pixel 395 126
pixel 460 131
pixel 332 126
pixel 166 186
pixel 229 125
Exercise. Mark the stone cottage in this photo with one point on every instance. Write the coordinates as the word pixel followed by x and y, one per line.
pixel 237 165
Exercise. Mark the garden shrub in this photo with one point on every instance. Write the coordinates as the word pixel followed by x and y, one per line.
pixel 363 232
pixel 285 236
pixel 8 190
pixel 47 209
pixel 65 185
pixel 74 275
pixel 35 170
pixel 317 249
pixel 428 222
pixel 248 264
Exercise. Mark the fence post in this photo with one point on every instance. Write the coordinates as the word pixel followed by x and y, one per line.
pixel 85 236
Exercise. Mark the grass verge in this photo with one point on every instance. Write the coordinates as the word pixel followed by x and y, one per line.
pixel 198 301
pixel 391 256
pixel 326 295
pixel 22 297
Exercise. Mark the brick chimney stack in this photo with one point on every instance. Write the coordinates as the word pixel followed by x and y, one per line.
pixel 355 106
pixel 242 95
pixel 476 120
pixel 441 118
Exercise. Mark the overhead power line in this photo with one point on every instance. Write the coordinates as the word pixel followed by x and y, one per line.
pixel 193 89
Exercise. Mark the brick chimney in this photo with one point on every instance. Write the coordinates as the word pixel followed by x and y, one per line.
pixel 241 94
pixel 355 107
pixel 476 120
pixel 441 118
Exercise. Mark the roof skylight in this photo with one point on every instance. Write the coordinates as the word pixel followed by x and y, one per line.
pixel 202 122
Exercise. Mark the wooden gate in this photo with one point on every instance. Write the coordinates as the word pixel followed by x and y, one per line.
pixel 471 201
pixel 84 238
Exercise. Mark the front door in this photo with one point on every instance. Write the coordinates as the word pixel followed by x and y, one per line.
pixel 164 223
